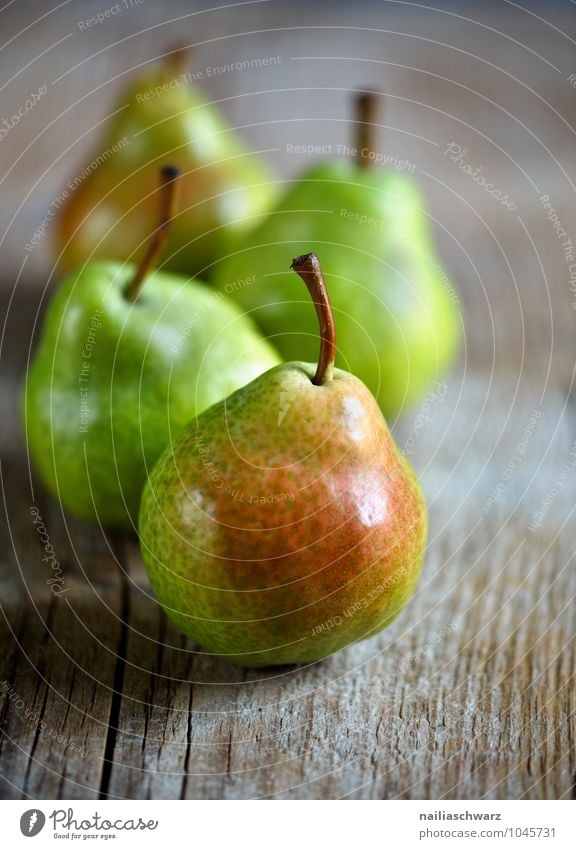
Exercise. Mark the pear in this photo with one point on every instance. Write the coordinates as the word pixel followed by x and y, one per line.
pixel 283 524
pixel 397 312
pixel 162 119
pixel 127 357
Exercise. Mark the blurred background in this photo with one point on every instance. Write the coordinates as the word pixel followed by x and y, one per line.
pixel 493 78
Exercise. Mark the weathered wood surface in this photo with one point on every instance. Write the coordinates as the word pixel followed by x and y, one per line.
pixel 470 693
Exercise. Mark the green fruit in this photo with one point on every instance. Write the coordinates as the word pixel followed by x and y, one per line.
pixel 283 524
pixel 118 373
pixel 397 314
pixel 165 120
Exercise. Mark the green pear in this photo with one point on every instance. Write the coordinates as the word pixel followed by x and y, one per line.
pixel 397 313
pixel 163 119
pixel 127 357
pixel 283 524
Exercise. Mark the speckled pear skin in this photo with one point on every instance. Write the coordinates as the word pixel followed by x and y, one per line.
pixel 144 368
pixel 112 210
pixel 396 312
pixel 284 524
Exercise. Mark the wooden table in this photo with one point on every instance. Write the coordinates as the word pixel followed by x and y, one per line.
pixel 470 693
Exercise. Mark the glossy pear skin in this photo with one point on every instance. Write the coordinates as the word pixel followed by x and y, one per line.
pixel 397 314
pixel 112 381
pixel 112 211
pixel 284 524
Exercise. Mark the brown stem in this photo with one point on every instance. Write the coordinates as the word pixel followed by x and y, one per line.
pixel 178 58
pixel 366 108
pixel 308 268
pixel 168 178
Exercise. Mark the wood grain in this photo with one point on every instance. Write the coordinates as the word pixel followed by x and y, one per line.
pixel 471 692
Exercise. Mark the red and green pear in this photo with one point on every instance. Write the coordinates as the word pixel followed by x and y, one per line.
pixel 283 524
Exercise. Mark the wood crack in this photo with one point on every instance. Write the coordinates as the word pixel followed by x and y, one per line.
pixel 117 686
pixel 188 744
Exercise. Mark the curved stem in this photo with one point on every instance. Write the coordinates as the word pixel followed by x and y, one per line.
pixel 168 177
pixel 366 107
pixel 308 268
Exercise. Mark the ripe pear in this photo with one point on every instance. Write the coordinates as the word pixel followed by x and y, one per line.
pixel 163 119
pixel 397 313
pixel 126 358
pixel 283 524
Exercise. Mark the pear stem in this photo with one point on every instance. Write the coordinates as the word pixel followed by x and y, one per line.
pixel 178 58
pixel 308 268
pixel 168 177
pixel 366 107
